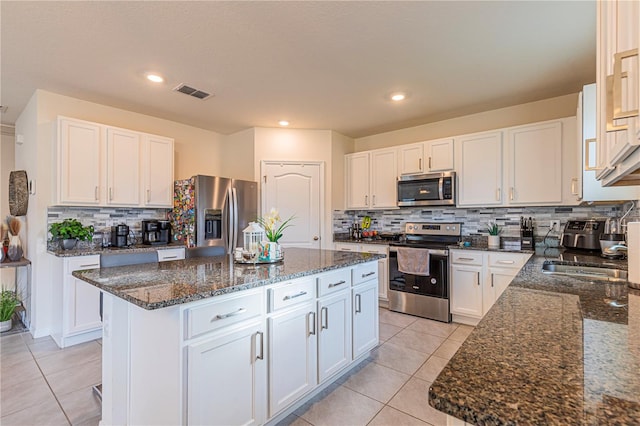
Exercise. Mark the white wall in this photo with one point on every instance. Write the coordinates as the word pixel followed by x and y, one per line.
pixel 7 162
pixel 340 145
pixel 238 154
pixel 547 109
pixel 197 151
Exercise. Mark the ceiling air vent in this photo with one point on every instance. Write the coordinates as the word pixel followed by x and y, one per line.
pixel 188 90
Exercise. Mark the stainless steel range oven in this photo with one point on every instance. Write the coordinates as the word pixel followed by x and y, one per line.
pixel 426 296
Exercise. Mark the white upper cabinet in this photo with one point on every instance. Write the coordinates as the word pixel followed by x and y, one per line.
pixel 371 179
pixel 534 162
pixel 157 169
pixel 426 157
pixel 535 165
pixel 479 160
pixel 357 178
pixel 411 159
pixel 98 165
pixel 79 154
pixel 439 155
pixel 618 92
pixel 384 173
pixel 591 189
pixel 123 167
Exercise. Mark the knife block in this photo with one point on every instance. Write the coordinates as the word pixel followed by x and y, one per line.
pixel 526 240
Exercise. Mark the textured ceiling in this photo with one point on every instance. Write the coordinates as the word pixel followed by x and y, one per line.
pixel 318 64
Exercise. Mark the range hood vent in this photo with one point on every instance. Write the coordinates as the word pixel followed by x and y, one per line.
pixel 188 90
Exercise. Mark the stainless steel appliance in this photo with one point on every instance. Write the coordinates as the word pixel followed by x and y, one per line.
pixel 583 234
pixel 422 295
pixel 433 189
pixel 213 211
pixel 156 232
pixel 119 235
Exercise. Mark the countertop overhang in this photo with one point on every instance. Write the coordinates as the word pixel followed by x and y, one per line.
pixel 552 350
pixel 162 284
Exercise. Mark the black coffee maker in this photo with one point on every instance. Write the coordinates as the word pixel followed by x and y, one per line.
pixel 119 235
pixel 156 232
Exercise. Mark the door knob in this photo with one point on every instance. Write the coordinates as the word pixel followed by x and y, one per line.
pixel 316 238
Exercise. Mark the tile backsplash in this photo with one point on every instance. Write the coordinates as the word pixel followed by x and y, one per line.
pixel 474 220
pixel 103 218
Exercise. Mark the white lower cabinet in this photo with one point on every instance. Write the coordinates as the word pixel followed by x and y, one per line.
pixel 334 333
pixel 364 309
pixel 383 264
pixel 235 394
pixel 76 303
pixel 478 278
pixel 293 359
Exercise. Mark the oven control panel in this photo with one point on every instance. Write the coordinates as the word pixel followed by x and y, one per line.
pixel 433 228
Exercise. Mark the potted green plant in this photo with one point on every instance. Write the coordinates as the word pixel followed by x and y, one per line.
pixel 8 303
pixel 69 231
pixel 494 235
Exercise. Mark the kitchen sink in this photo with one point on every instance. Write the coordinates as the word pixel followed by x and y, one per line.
pixel 603 273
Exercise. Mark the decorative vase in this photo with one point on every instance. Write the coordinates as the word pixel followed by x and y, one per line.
pixel 15 248
pixel 6 325
pixel 68 243
pixel 493 241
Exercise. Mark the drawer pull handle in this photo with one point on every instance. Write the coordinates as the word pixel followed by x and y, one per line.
pixel 287 297
pixel 508 262
pixel 368 274
pixel 465 258
pixel 170 257
pixel 337 284
pixel 230 314
pixel 92 265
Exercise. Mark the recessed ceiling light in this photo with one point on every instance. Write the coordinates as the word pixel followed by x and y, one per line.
pixel 398 97
pixel 156 78
pixel 283 123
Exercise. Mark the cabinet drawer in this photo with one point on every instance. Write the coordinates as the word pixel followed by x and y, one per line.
pixel 220 314
pixel 346 247
pixel 82 262
pixel 374 248
pixel 170 254
pixel 334 281
pixel 364 272
pixel 467 257
pixel 507 260
pixel 291 293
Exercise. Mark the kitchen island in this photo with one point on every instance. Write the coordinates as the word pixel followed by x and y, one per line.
pixel 209 341
pixel 552 350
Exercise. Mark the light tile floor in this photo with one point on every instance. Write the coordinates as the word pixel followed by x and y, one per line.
pixel 43 384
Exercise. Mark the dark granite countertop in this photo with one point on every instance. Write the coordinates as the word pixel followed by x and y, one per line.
pixel 162 284
pixel 552 350
pixel 89 250
pixel 486 248
pixel 338 238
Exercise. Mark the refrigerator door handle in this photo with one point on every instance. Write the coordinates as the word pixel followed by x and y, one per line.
pixel 230 228
pixel 236 231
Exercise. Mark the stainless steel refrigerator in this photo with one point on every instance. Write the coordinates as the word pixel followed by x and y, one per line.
pixel 212 211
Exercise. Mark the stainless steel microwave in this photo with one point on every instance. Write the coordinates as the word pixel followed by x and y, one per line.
pixel 433 189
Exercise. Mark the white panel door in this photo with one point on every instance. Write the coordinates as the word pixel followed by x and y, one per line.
pixel 293 360
pixel 295 189
pixel 384 179
pixel 158 171
pixel 357 173
pixel 79 163
pixel 226 379
pixel 479 163
pixel 334 334
pixel 535 164
pixel 439 155
pixel 123 176
pixel 466 291
pixel 410 159
pixel 365 317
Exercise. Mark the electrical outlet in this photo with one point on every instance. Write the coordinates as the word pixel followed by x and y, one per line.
pixel 555 225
